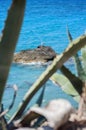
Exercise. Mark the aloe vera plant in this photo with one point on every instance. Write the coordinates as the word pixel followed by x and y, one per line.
pixel 7 48
pixel 79 68
pixel 57 64
pixel 72 84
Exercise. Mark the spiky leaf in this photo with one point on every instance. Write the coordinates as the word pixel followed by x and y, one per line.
pixel 79 67
pixel 9 39
pixel 40 98
pixel 83 50
pixel 65 84
pixel 73 79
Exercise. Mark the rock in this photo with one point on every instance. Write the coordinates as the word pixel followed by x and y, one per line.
pixel 40 54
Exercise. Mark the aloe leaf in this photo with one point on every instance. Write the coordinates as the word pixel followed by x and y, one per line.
pixel 73 79
pixel 56 64
pixel 66 86
pixel 40 98
pixel 3 122
pixel 83 50
pixel 69 35
pixel 79 67
pixel 64 83
pixel 9 40
pixel 77 98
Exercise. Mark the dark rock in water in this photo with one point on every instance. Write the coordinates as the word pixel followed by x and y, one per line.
pixel 40 54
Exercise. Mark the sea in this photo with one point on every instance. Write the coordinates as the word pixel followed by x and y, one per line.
pixel 45 23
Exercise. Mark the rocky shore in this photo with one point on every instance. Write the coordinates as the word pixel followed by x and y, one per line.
pixel 41 54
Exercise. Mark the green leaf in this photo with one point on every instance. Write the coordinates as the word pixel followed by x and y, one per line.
pixel 69 35
pixel 9 39
pixel 73 79
pixel 77 98
pixel 79 67
pixel 40 98
pixel 64 83
pixel 83 50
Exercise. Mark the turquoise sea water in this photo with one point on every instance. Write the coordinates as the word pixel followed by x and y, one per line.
pixel 44 22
